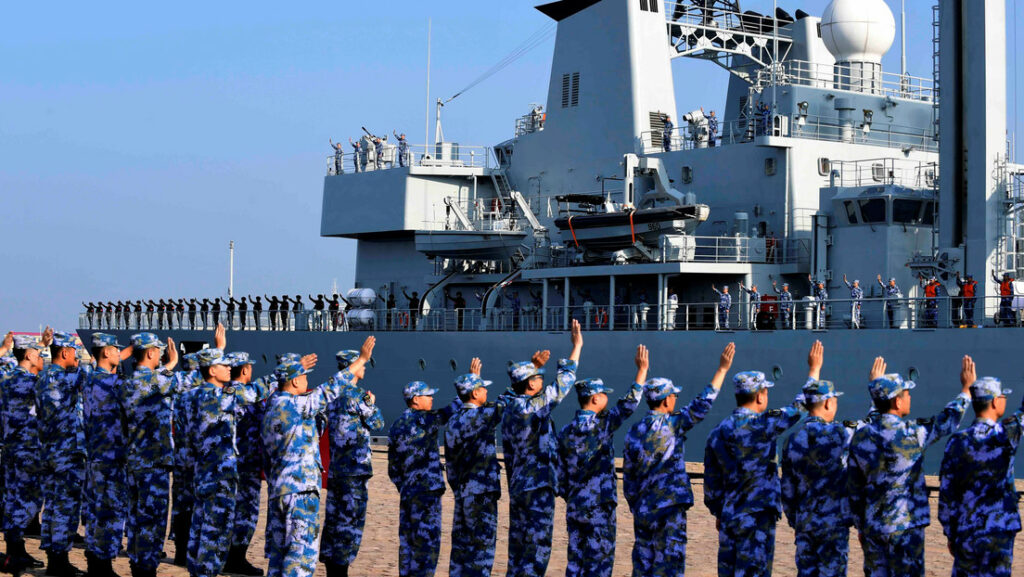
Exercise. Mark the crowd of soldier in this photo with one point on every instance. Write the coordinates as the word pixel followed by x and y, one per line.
pixel 963 304
pixel 282 313
pixel 72 425
pixel 372 152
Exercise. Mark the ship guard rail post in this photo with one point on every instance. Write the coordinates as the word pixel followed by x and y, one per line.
pixel 908 314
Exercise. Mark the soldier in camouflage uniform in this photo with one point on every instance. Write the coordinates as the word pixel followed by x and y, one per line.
pixel 58 404
pixel 106 490
pixel 259 410
pixel 528 439
pixel 290 435
pixel 250 480
pixel 741 482
pixel 654 477
pixel 22 495
pixel 211 412
pixel 147 401
pixel 586 471
pixel 182 495
pixel 249 468
pixel 474 476
pixel 350 421
pixel 977 497
pixel 814 481
pixel 414 466
pixel 888 497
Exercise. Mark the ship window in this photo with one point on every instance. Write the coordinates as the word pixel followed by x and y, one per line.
pixel 913 374
pixel 769 167
pixel 687 174
pixel 423 364
pixel 455 365
pixel 643 5
pixel 824 166
pixel 851 211
pixel 575 100
pixel 565 90
pixel 777 373
pixel 872 210
pixel 906 211
pixel 928 218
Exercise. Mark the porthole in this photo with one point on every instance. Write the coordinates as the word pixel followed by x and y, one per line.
pixel 777 373
pixel 687 174
pixel 824 166
pixel 455 365
pixel 423 364
pixel 373 363
pixel 913 374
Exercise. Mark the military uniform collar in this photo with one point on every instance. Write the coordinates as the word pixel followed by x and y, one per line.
pixel 816 419
pixel 584 413
pixel 988 422
pixel 100 369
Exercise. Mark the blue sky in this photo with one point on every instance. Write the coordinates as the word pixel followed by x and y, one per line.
pixel 138 139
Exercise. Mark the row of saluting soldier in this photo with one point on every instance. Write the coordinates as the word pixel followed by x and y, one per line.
pixel 835 474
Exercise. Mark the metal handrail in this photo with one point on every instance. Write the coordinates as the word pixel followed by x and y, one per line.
pixel 806 314
pixel 443 155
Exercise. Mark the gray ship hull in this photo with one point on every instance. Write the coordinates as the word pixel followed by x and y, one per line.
pixel 689 358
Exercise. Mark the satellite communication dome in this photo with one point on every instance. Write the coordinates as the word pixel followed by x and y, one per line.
pixel 858 30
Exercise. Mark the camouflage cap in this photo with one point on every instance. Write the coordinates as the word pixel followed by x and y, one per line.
pixel 888 386
pixel 816 391
pixel 65 340
pixel 751 382
pixel 346 358
pixel 100 340
pixel 969 276
pixel 8 362
pixel 190 361
pixel 26 342
pixel 210 357
pixel 988 389
pixel 522 371
pixel 289 370
pixel 659 389
pixel 468 383
pixel 288 357
pixel 147 341
pixel 591 387
pixel 238 359
pixel 418 389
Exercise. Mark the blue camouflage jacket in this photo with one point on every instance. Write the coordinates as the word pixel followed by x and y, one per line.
pixel 586 453
pixel 470 454
pixel 724 300
pixel 740 463
pixel 977 494
pixel 350 421
pixel 103 417
pixel 886 482
pixel 18 416
pixel 528 434
pixel 785 298
pixel 414 459
pixel 291 438
pixel 59 413
pixel 654 459
pixel 147 400
pixel 250 447
pixel 814 475
pixel 211 415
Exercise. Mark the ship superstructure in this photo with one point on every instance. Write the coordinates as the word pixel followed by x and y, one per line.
pixel 823 164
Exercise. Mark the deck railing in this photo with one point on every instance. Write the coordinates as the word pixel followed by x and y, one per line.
pixel 806 314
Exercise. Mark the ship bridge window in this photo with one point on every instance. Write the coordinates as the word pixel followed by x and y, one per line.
pixel 872 210
pixel 906 211
pixel 851 211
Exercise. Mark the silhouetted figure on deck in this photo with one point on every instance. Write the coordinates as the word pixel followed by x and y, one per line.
pixel 273 305
pixel 257 310
pixel 414 307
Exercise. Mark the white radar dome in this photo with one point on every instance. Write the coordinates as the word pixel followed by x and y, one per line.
pixel 858 30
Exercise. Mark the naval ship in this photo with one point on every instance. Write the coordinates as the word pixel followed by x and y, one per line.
pixel 819 165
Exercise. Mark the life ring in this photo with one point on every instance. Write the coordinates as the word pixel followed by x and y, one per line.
pixel 601 318
pixel 403 320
